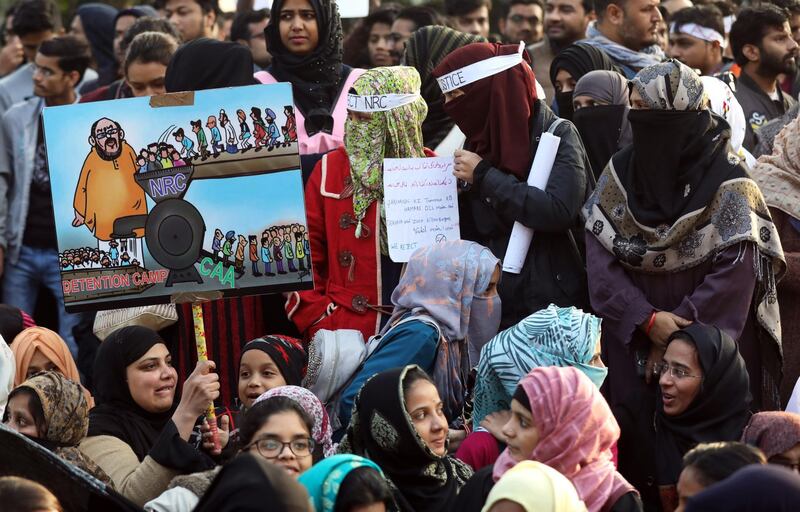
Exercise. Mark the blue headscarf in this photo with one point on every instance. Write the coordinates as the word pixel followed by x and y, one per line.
pixel 325 478
pixel 551 337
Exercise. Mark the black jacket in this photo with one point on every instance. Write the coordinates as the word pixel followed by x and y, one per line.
pixel 758 107
pixel 554 271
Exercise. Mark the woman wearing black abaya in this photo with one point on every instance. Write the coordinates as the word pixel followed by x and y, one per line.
pixel 137 433
pixel 569 66
pixel 304 38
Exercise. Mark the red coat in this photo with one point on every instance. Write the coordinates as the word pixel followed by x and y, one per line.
pixel 347 270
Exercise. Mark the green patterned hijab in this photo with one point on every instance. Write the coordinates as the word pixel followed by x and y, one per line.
pixel 396 133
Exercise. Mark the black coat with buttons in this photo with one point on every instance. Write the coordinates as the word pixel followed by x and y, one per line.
pixel 554 270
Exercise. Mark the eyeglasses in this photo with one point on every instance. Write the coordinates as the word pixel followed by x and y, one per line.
pixel 271 448
pixel 780 461
pixel 676 372
pixel 102 134
pixel 518 19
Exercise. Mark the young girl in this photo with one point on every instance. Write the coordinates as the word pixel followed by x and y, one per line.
pixel 347 483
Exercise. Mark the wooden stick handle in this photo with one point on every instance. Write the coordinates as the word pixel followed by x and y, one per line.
pixel 202 355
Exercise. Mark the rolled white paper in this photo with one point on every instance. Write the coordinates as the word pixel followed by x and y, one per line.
pixel 522 236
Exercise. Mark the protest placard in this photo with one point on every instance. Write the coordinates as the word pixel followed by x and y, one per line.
pixel 421 202
pixel 176 195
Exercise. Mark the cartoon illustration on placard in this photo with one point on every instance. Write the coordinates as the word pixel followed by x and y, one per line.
pixel 151 202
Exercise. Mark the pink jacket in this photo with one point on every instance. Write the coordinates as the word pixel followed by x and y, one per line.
pixel 320 142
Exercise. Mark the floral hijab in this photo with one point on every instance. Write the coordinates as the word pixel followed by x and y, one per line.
pixel 66 415
pixel 310 403
pixel 382 430
pixel 396 133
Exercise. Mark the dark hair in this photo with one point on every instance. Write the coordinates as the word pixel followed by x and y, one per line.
pixel 23 495
pixel 600 6
pixel 240 30
pixel 462 7
pixel 704 15
pixel 413 375
pixel 150 47
pixel 32 16
pixel 119 127
pixel 421 16
pixel 148 24
pixel 73 54
pixel 34 407
pixel 506 7
pixel 362 487
pixel 178 133
pixel 751 26
pixel 385 16
pixel 790 6
pixel 714 462
pixel 256 416
pixel 10 322
pixel 206 5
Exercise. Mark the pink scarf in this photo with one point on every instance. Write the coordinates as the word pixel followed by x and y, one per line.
pixel 576 433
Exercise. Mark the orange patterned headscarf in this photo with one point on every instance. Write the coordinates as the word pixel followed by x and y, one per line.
pixel 52 346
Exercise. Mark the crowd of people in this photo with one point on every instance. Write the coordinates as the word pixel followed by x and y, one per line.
pixel 644 357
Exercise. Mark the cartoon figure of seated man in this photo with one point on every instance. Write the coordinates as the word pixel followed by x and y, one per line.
pixel 107 188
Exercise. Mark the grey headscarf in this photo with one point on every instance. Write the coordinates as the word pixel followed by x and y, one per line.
pixel 610 88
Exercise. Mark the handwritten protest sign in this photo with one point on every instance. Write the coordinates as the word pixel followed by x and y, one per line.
pixel 420 197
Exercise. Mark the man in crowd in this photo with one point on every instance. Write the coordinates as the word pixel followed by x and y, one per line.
pixel 27 225
pixel 125 20
pixel 248 30
pixel 764 49
pixel 565 22
pixel 522 21
pixel 407 21
pixel 11 54
pixel 627 30
pixel 470 16
pixel 697 38
pixel 193 18
pixel 791 83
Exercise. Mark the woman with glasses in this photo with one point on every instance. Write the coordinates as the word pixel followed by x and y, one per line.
pixel 703 397
pixel 777 434
pixel 279 430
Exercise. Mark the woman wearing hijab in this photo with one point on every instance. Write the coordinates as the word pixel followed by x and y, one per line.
pixel 95 23
pixel 569 66
pixel 426 48
pixel 321 431
pixel 138 434
pixel 678 233
pixel 398 424
pixel 346 483
pixel 304 38
pixel 53 410
pixel 559 418
pixel 535 487
pixel 723 102
pixel 551 337
pixel 200 65
pixel 249 483
pixel 777 434
pixel 503 121
pixel 752 489
pixel 353 273
pixel 38 349
pixel 703 396
pixel 778 177
pixel 446 309
pixel 600 101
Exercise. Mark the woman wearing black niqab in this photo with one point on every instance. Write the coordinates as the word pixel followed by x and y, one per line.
pixel 576 60
pixel 140 442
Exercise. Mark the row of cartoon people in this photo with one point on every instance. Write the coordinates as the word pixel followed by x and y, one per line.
pixel 160 155
pixel 279 245
pixel 265 133
pixel 86 258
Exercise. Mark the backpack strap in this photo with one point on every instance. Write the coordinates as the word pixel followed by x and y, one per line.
pixel 552 128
